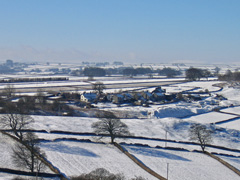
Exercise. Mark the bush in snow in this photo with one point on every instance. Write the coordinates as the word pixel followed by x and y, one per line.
pixel 99 174
pixel 103 174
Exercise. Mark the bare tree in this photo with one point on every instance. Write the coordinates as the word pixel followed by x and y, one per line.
pixel 40 97
pixel 9 90
pixel 24 155
pixel 16 121
pixel 201 134
pixel 26 104
pixel 98 87
pixel 111 125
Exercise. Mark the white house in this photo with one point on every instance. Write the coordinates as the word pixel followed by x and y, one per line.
pixel 88 97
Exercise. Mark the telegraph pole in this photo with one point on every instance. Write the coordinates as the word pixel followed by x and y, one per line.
pixel 167 170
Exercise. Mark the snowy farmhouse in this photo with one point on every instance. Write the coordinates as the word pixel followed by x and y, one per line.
pixel 157 94
pixel 88 97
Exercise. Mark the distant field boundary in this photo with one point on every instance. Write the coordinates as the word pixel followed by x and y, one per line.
pixel 227 120
pixel 234 114
pixel 224 163
pixel 131 137
pixel 191 91
pixel 139 163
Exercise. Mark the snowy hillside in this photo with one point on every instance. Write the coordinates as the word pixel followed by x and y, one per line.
pixel 75 158
pixel 71 146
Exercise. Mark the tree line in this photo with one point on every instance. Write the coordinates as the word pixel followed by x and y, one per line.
pixel 34 79
pixel 126 71
pixel 195 74
pixel 26 151
pixel 230 76
pixel 192 73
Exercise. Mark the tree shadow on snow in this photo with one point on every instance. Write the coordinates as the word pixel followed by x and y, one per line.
pixel 69 150
pixel 155 153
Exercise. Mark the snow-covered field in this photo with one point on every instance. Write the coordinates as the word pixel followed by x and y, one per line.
pixel 44 84
pixel 177 129
pixel 6 145
pixel 235 124
pixel 154 128
pixel 211 117
pixel 149 142
pixel 81 82
pixel 73 124
pixel 170 121
pixel 233 96
pixel 75 158
pixel 182 165
pixel 203 85
pixel 234 110
pixel 235 161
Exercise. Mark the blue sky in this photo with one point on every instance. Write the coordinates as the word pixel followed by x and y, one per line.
pixel 150 31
